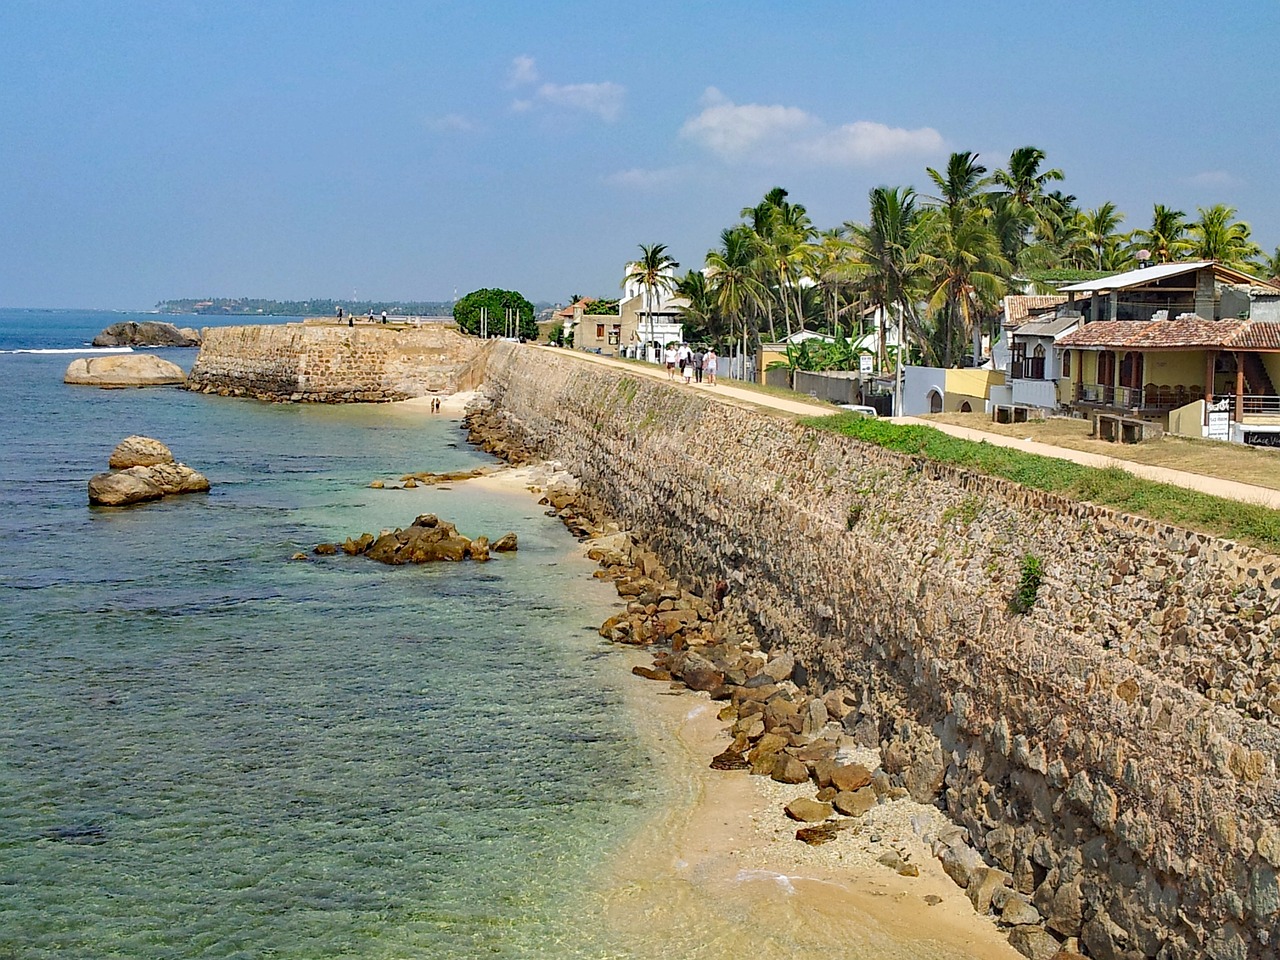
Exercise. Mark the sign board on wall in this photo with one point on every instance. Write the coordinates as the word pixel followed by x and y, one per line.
pixel 864 363
pixel 1219 426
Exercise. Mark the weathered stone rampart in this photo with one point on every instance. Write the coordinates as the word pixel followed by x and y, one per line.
pixel 331 363
pixel 1114 749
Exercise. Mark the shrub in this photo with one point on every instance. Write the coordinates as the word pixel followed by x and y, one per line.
pixel 1029 581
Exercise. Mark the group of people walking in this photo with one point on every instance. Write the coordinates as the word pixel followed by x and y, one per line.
pixel 691 364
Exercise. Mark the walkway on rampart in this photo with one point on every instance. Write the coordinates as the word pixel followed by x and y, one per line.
pixel 727 392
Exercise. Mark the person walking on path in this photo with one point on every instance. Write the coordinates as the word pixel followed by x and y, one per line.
pixel 697 364
pixel 709 365
pixel 686 370
pixel 669 356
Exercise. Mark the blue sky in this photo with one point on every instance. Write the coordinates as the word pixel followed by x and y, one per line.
pixel 408 150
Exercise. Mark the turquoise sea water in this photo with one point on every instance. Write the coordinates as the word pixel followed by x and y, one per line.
pixel 209 750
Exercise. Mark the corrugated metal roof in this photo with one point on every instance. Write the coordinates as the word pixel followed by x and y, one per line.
pixel 1136 278
pixel 1047 328
pixel 1161 271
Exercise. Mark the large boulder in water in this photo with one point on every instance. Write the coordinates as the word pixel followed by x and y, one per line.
pixel 143 469
pixel 123 370
pixel 148 333
pixel 139 451
pixel 121 489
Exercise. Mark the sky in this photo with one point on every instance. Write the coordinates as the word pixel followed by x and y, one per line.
pixel 419 150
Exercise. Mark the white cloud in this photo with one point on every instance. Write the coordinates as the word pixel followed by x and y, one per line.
pixel 1214 178
pixel 524 70
pixel 731 129
pixel 866 141
pixel 453 123
pixel 602 99
pixel 773 133
pixel 639 178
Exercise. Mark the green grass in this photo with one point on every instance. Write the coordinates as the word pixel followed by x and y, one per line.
pixel 1112 487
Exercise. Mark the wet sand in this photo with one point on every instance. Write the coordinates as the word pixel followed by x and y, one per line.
pixel 721 874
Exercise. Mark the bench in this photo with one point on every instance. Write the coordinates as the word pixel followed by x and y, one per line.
pixel 1113 427
pixel 1010 413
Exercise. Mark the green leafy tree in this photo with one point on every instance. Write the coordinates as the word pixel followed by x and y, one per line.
pixel 466 312
pixel 602 307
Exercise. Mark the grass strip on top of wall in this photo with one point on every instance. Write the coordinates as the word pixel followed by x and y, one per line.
pixel 1112 487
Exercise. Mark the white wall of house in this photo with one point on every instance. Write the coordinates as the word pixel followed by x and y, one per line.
pixel 1035 393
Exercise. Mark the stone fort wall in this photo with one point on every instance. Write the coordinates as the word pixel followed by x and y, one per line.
pixel 1114 749
pixel 331 363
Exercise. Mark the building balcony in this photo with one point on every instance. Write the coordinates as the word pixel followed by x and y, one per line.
pixel 1153 398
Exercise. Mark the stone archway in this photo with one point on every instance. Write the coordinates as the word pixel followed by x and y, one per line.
pixel 965 408
pixel 935 401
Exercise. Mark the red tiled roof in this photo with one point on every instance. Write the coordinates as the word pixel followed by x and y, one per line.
pixel 1017 307
pixel 1190 333
pixel 567 312
pixel 1257 335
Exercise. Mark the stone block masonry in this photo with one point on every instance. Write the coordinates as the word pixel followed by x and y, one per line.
pixel 330 363
pixel 1113 750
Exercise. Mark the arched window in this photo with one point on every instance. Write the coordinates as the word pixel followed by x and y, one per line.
pixel 1066 364
pixel 935 401
pixel 1035 369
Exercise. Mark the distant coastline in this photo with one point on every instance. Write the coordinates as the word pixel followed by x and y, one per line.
pixel 251 307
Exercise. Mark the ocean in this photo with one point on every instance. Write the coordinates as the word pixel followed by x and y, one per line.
pixel 210 750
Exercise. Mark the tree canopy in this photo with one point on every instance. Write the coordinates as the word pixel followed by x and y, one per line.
pixel 467 313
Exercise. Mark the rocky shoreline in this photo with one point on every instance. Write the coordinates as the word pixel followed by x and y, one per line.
pixel 841 762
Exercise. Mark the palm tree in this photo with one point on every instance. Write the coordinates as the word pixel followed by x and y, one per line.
pixel 960 185
pixel 1024 181
pixel 1269 267
pixel 1217 236
pixel 784 231
pixel 732 273
pixel 1024 186
pixel 1098 230
pixel 1166 239
pixel 968 277
pixel 655 273
pixel 831 268
pixel 889 266
pixel 701 318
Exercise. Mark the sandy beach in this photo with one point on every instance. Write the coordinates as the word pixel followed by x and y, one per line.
pixel 719 873
pixel 722 873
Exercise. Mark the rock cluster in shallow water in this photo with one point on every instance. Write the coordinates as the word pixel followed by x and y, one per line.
pixel 426 540
pixel 143 469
